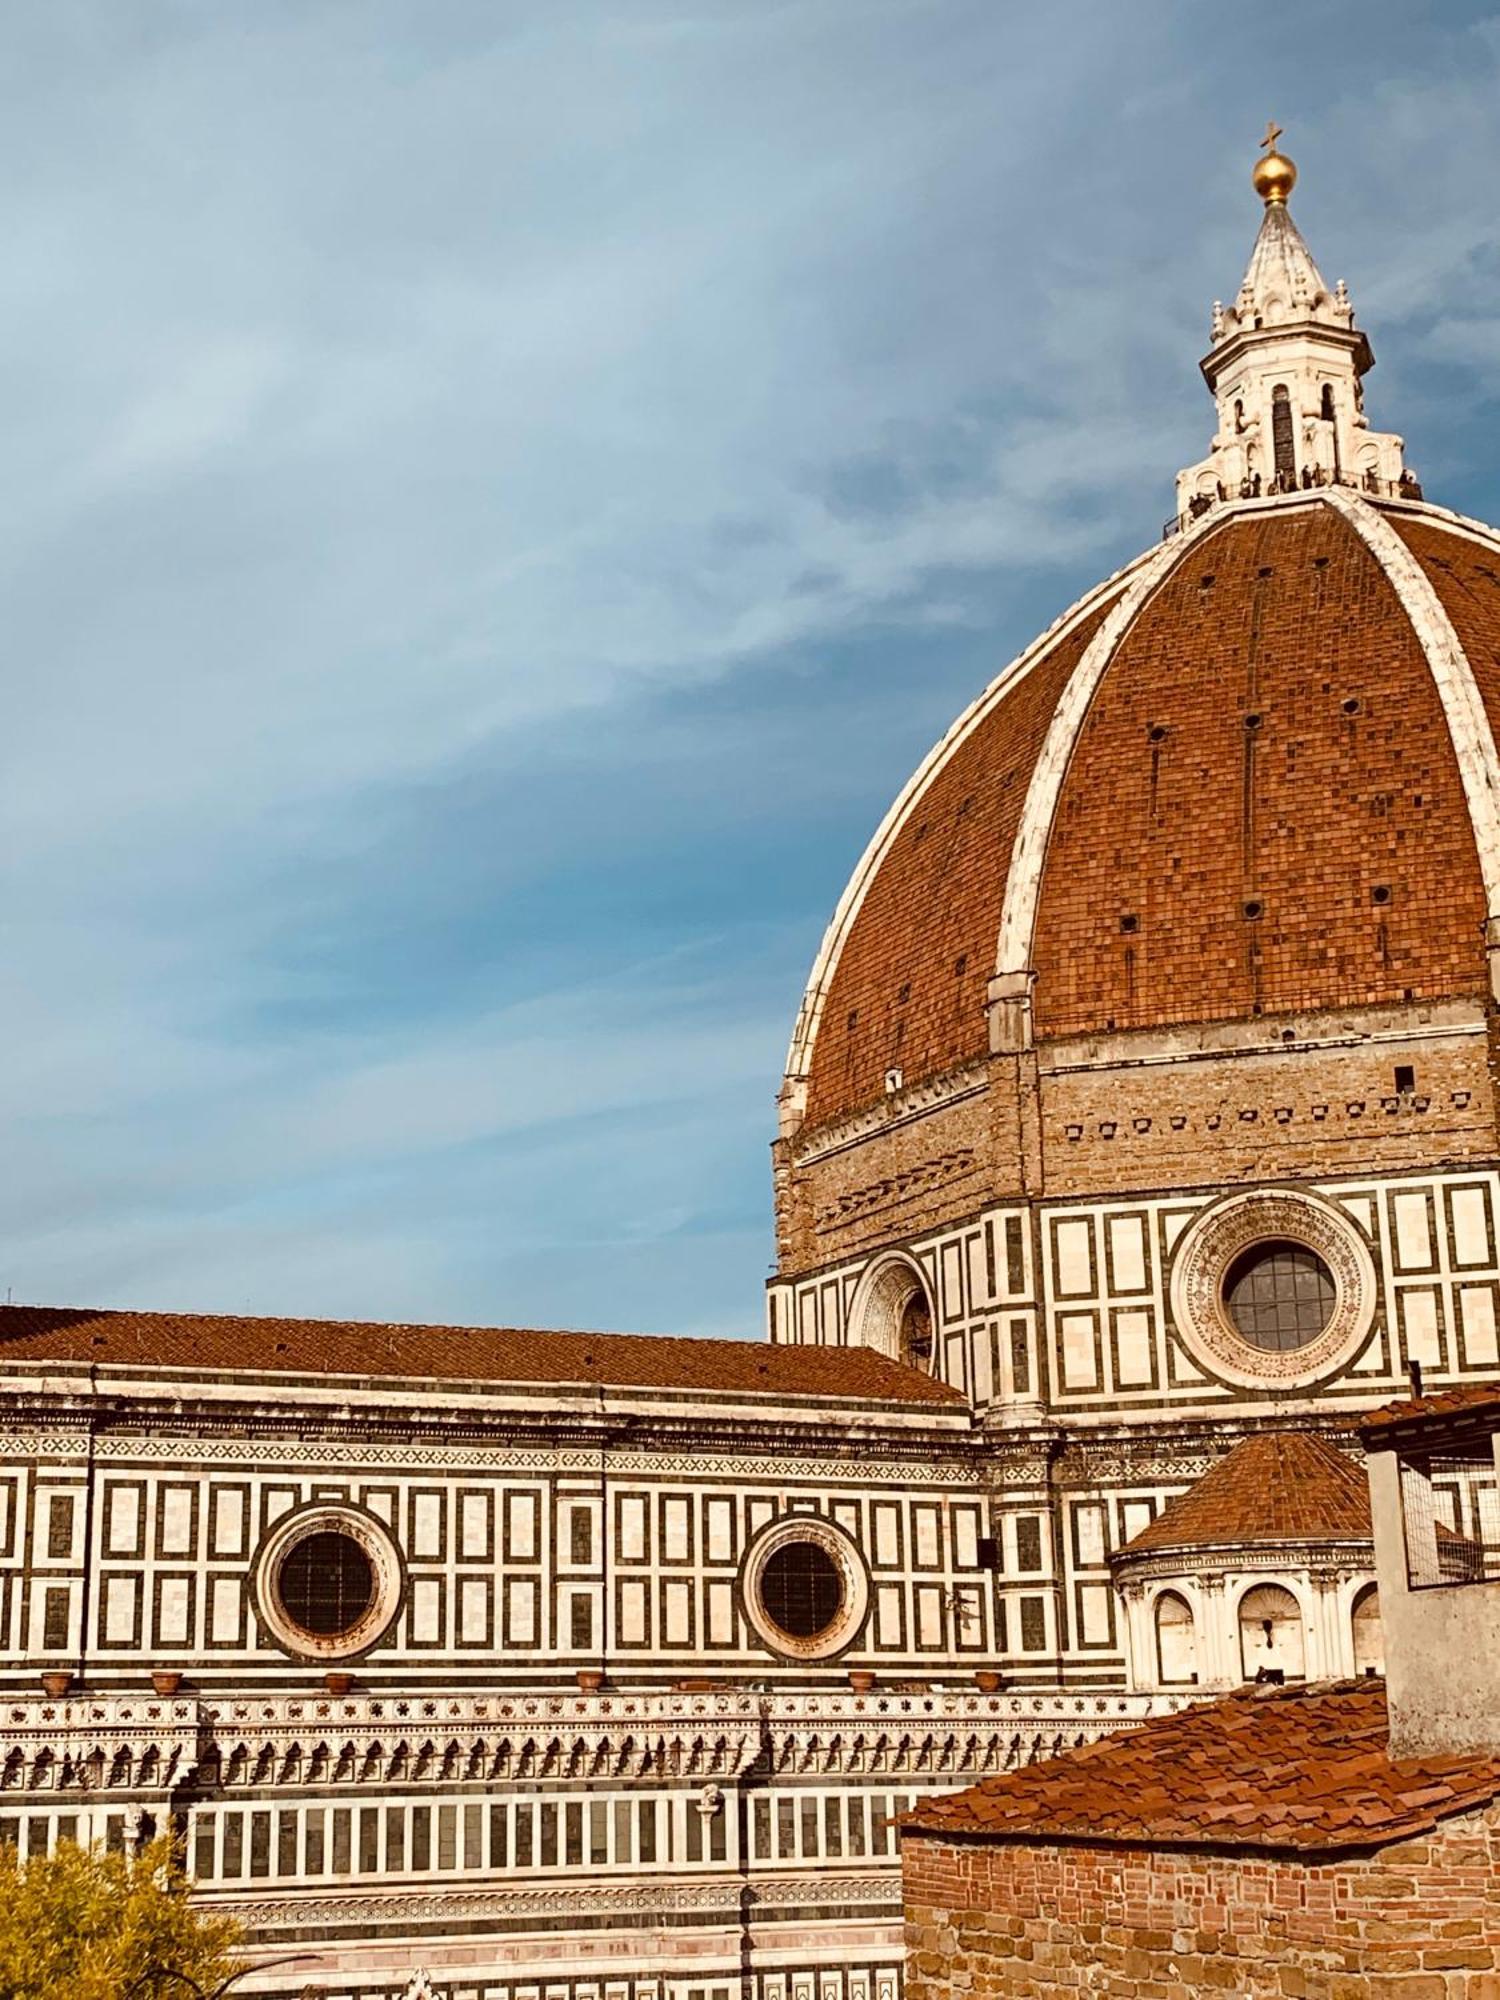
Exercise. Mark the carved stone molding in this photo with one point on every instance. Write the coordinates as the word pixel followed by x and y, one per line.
pixel 641 1896
pixel 1209 1566
pixel 371 1537
pixel 780 1536
pixel 372 1457
pixel 1209 1247
pixel 671 1741
pixel 914 1101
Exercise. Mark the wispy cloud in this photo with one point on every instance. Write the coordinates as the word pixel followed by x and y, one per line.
pixel 496 500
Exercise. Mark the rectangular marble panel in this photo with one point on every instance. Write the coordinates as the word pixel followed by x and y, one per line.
pixel 677 1613
pixel 1133 1349
pixel 122 1596
pixel 1470 1210
pixel 718 1520
pixel 474 1525
pixel 123 1530
pixel 633 1612
pixel 633 1527
pixel 1127 1253
pixel 1419 1319
pixel 174 1535
pixel 1476 1310
pixel 1409 1213
pixel 1073 1242
pixel 174 1611
pixel 224 1609
pixel 1080 1354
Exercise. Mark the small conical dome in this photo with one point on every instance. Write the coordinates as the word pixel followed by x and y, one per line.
pixel 1281 280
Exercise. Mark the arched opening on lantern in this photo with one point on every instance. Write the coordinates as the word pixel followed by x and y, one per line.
pixel 1282 444
pixel 1369 1643
pixel 1272 1642
pixel 1176 1641
pixel 1327 411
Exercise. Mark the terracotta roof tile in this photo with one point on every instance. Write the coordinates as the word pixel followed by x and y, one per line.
pixel 1287 618
pixel 1299 1770
pixel 1275 1486
pixel 1471 1399
pixel 1267 733
pixel 235 1345
pixel 910 982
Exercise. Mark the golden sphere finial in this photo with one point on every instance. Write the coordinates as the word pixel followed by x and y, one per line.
pixel 1274 175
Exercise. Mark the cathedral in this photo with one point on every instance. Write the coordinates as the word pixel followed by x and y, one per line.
pixel 1138 1136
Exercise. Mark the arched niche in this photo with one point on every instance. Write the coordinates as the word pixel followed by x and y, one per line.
pixel 893 1313
pixel 1369 1642
pixel 1176 1641
pixel 1273 1642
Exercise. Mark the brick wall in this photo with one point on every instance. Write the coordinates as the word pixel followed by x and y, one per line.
pixel 1420 1920
pixel 1323 1108
pixel 913 1174
pixel 1219 1106
pixel 1265 792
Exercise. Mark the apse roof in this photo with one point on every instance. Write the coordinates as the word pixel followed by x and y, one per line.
pixel 1273 1487
pixel 236 1345
pixel 1301 1771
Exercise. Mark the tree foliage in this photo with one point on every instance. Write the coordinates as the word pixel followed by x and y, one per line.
pixel 81 1925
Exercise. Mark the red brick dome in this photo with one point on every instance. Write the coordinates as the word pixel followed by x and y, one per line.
pixel 1253 774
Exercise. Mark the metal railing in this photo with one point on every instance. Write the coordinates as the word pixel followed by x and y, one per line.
pixel 1312 478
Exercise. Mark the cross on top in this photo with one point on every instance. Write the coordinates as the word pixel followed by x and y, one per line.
pixel 1273 133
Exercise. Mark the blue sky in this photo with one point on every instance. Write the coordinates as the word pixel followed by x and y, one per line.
pixel 499 496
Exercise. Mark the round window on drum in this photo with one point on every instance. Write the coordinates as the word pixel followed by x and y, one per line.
pixel 1279 1296
pixel 801 1590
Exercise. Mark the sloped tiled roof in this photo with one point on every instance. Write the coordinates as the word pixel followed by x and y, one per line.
pixel 226 1344
pixel 1469 1399
pixel 1275 1486
pixel 1302 1770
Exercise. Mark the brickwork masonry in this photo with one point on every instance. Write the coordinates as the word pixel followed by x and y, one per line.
pixel 1419 1920
pixel 1389 1090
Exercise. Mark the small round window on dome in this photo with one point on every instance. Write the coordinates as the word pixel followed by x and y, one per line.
pixel 801 1590
pixel 1279 1296
pixel 326 1584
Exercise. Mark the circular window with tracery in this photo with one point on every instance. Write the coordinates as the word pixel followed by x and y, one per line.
pixel 1280 1296
pixel 804 1588
pixel 1272 1288
pixel 327 1582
